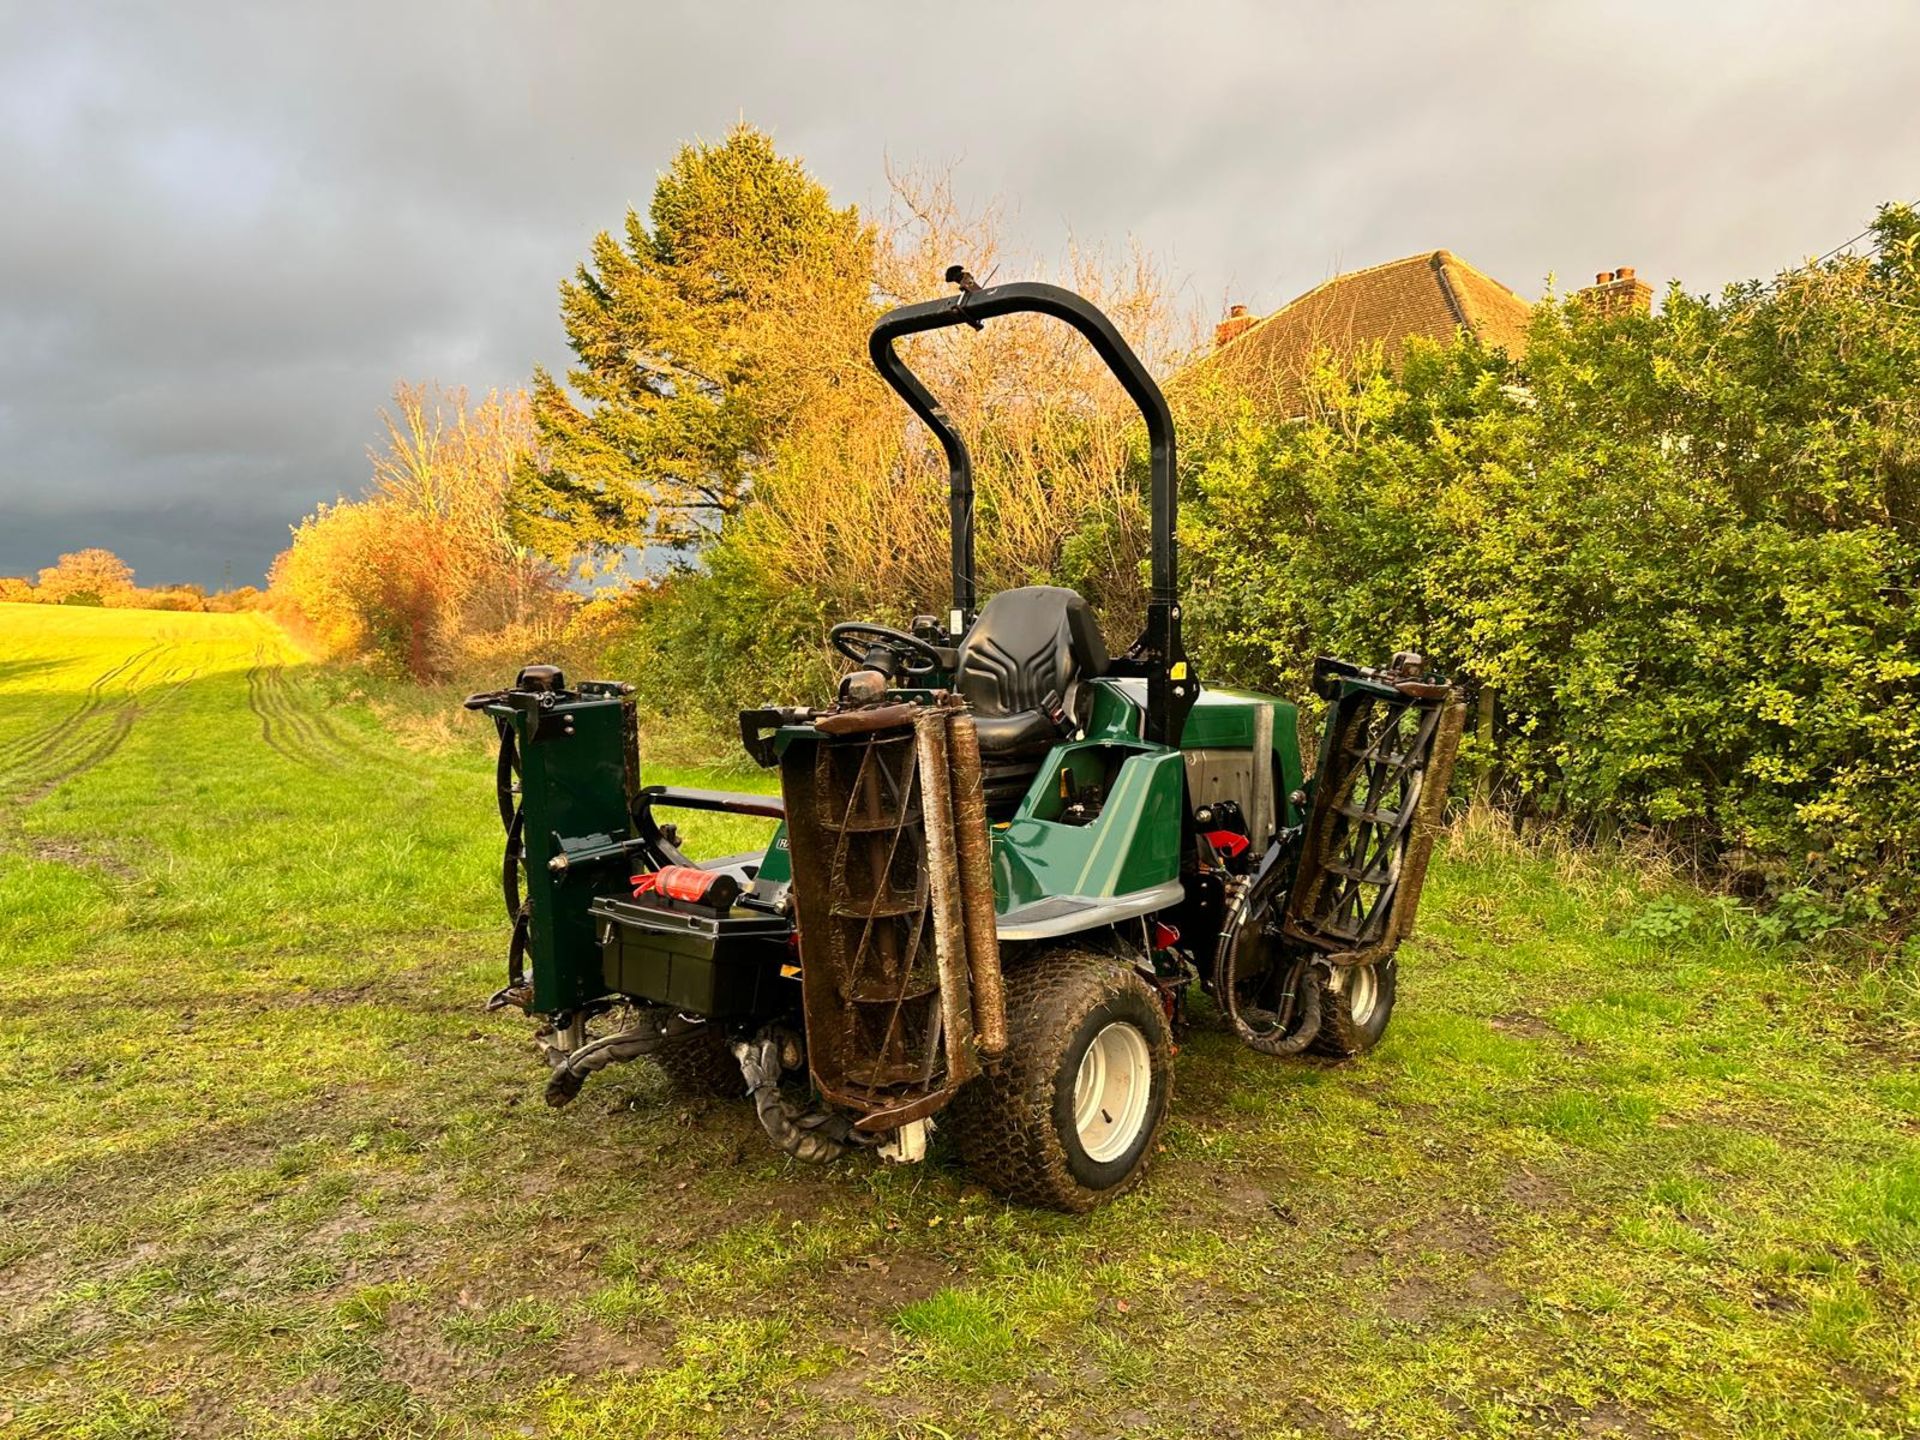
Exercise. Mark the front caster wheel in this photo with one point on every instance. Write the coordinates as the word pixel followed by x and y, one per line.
pixel 1355 1006
pixel 701 1064
pixel 1069 1120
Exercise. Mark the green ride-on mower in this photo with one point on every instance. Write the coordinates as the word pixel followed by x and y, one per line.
pixel 1005 857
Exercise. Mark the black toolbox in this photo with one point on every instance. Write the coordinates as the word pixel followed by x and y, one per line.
pixel 702 964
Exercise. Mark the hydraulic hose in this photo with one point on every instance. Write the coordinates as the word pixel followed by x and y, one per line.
pixel 572 1073
pixel 815 1136
pixel 643 1039
pixel 519 906
pixel 1287 1035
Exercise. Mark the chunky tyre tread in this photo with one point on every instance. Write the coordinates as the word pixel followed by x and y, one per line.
pixel 701 1064
pixel 1340 1035
pixel 1004 1120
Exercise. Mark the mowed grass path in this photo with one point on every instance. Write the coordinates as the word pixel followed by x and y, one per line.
pixel 266 1168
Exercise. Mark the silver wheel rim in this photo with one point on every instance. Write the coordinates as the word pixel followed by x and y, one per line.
pixel 1112 1091
pixel 1363 992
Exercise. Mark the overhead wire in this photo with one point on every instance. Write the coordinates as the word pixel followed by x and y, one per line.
pixel 1846 245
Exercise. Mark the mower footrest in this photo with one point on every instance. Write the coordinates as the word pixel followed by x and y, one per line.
pixel 1070 914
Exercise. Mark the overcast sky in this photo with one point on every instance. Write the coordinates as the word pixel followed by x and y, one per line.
pixel 225 230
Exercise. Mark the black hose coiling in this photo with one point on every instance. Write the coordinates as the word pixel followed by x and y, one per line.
pixel 1307 983
pixel 519 907
pixel 616 1049
pixel 815 1136
pixel 1281 1031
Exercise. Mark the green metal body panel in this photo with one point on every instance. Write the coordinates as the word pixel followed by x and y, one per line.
pixel 1220 719
pixel 1132 844
pixel 1224 719
pixel 776 866
pixel 574 787
pixel 1119 713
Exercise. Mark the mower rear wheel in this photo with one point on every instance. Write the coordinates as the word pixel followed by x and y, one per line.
pixel 701 1063
pixel 1071 1117
pixel 1355 1008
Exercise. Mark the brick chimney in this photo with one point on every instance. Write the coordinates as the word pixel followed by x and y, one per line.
pixel 1237 323
pixel 1618 292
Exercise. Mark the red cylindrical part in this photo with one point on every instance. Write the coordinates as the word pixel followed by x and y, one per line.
pixel 677 882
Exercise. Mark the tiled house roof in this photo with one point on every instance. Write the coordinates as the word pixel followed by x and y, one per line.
pixel 1436 295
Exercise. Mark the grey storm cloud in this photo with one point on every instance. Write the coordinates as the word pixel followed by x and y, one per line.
pixel 226 230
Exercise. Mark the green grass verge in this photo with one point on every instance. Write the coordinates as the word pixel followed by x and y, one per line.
pixel 265 1168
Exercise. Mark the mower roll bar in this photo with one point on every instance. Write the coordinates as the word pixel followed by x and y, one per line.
pixel 1159 653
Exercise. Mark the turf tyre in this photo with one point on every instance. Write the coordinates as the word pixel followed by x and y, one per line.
pixel 1354 1018
pixel 701 1064
pixel 1016 1125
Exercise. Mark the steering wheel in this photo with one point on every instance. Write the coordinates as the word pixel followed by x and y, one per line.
pixel 857 639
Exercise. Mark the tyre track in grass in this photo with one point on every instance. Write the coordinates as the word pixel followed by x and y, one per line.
pixel 78 761
pixel 291 729
pixel 97 727
pixel 59 734
pixel 281 724
pixel 91 732
pixel 308 719
pixel 315 736
pixel 268 718
pixel 73 764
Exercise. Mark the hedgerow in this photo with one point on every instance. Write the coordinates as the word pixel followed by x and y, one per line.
pixel 1678 550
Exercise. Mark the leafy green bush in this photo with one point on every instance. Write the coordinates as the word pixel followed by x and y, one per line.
pixel 1663 918
pixel 1795 917
pixel 704 644
pixel 1679 548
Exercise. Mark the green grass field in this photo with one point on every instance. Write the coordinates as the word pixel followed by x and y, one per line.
pixel 267 1169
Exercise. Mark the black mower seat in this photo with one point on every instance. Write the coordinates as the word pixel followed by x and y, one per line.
pixel 1020 665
